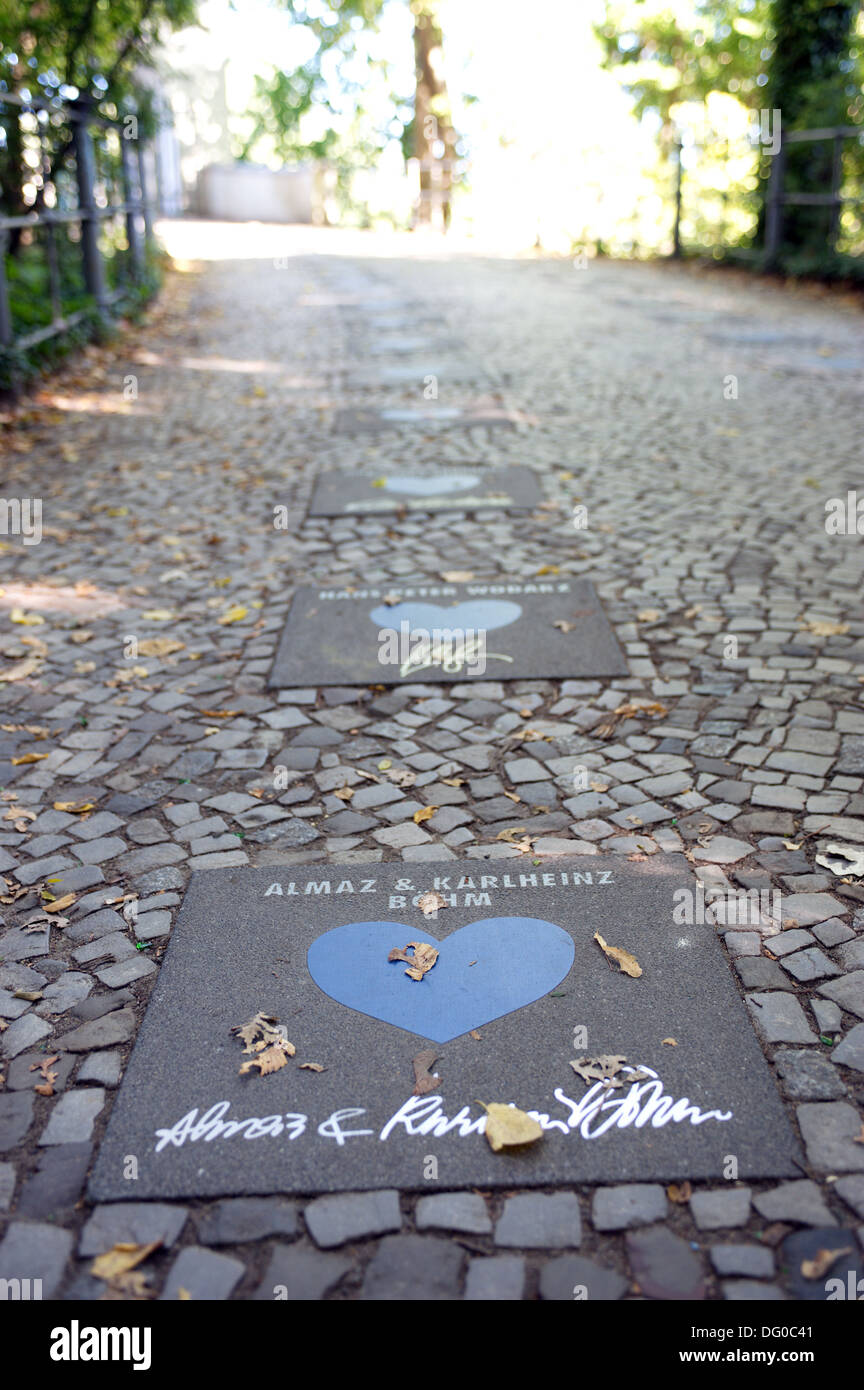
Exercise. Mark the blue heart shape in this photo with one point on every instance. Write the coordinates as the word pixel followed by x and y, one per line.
pixel 475 615
pixel 431 487
pixel 484 970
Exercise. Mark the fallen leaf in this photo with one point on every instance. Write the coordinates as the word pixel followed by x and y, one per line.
pixel 668 1042
pixel 626 963
pixel 420 963
pixel 512 796
pixel 547 569
pixel 158 615
pixel 679 1195
pixel 28 758
pixel 822 1262
pixel 344 793
pixel 311 1066
pixel 59 904
pixel 842 860
pixel 272 1058
pixel 457 576
pixel 219 713
pixel 31 995
pixel 401 777
pixel 453 781
pixel 824 627
pixel 605 1068
pixel 429 903
pixel 648 615
pixel 74 808
pixel 563 625
pixel 425 813
pixel 21 670
pixel 18 615
pixel 121 1258
pixel 44 1067
pixel 424 1081
pixel 235 614
pixel 159 646
pixel 507 1127
pixel 260 1032
pixel 475 1035
pixel 46 1088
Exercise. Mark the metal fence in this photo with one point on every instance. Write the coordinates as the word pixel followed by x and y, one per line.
pixel 709 213
pixel 87 214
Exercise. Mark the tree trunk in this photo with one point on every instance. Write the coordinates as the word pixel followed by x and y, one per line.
pixel 432 123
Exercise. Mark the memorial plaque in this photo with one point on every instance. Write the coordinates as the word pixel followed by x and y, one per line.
pixel 433 416
pixel 356 494
pixel 520 989
pixel 446 632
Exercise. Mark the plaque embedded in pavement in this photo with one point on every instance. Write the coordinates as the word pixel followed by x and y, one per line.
pixel 446 632
pixel 520 989
pixel 465 489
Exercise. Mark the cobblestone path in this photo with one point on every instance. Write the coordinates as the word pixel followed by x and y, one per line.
pixel 704 422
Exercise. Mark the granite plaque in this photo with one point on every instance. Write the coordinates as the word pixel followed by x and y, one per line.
pixel 446 632
pixel 465 489
pixel 673 1082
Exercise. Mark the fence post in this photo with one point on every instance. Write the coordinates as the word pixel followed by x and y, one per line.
pixel 836 184
pixel 145 194
pixel 774 211
pixel 679 175
pixel 6 333
pixel 136 250
pixel 94 270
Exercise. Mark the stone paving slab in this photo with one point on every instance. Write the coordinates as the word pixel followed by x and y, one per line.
pixel 357 494
pixel 331 635
pixel 252 940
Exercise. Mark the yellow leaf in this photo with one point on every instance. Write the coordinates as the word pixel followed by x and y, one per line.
pixel 626 963
pixel 507 1127
pixel 425 813
pixel 117 511
pixel 158 615
pixel 58 904
pixel 28 758
pixel 159 646
pixel 668 1042
pixel 819 1266
pixel 26 619
pixel 344 793
pixel 457 576
pixel 75 807
pixel 121 1258
pixel 183 1295
pixel 547 569
pixel 235 614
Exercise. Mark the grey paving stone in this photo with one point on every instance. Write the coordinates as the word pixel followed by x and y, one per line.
pixel 23 1033
pixel 714 1211
pixel 495 1279
pixel 849 1052
pixel 749 1291
pixel 531 1222
pixel 807 1075
pixel 829 1130
pixel 852 1192
pixel 73 1117
pixel 413 1269
pixel 333 1220
pixel 134 1223
pixel 453 1211
pixel 24 1073
pixel 7 1185
pixel 200 1274
pixel 664 1266
pixel 247 1218
pixel 780 1018
pixel 799 1202
pixel 35 1250
pixel 848 992
pixel 300 1276
pixel 750 1261
pixel 810 964
pixel 57 1184
pixel 125 972
pixel 572 1277
pixel 100 1068
pixel 16 1116
pixel 108 1031
pixel 632 1204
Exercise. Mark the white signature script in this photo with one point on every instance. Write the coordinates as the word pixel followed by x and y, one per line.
pixel 597 1111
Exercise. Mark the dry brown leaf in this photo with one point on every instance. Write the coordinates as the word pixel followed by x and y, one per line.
pixel 824 627
pixel 420 963
pixel 626 963
pixel 28 758
pixel 424 1081
pixel 75 808
pixel 219 713
pixel 475 1035
pixel 59 904
pixel 159 646
pixel 121 1258
pixel 648 615
pixel 512 796
pixel 681 1194
pixel 425 813
pixel 401 777
pixel 344 793
pixel 605 1068
pixel 21 669
pixel 429 903
pixel 260 1032
pixel 563 625
pixel 507 1127
pixel 547 569
pixel 668 1042
pixel 272 1058
pixel 311 1066
pixel 453 781
pixel 822 1262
